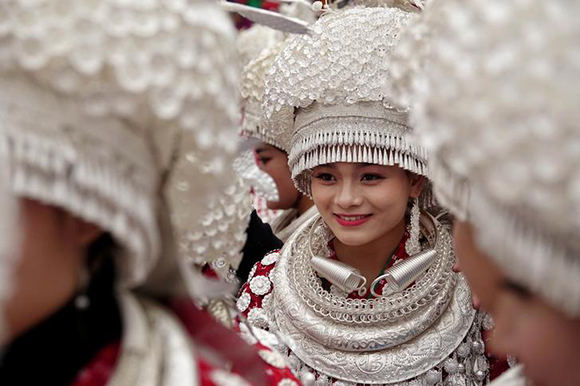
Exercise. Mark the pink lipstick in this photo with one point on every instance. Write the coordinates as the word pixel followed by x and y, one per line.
pixel 351 220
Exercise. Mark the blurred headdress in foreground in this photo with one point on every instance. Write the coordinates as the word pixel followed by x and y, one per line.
pixel 118 112
pixel 495 100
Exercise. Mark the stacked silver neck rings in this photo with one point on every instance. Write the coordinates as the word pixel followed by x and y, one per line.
pixel 376 341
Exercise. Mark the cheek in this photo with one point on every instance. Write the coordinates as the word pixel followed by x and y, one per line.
pixel 388 205
pixel 546 342
pixel 482 275
pixel 288 194
pixel 322 196
pixel 42 258
pixel 42 231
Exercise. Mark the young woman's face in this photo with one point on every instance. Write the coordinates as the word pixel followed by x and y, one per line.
pixel 362 202
pixel 275 162
pixel 540 336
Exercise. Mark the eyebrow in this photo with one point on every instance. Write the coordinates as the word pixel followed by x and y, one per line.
pixel 364 165
pixel 515 288
pixel 260 150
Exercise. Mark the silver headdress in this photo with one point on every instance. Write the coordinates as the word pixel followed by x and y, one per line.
pixel 8 243
pixel 115 110
pixel 324 94
pixel 252 41
pixel 252 90
pixel 497 106
pixel 270 42
pixel 260 45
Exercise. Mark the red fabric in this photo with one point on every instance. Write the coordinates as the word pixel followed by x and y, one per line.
pixel 209 272
pixel 229 346
pixel 209 333
pixel 99 370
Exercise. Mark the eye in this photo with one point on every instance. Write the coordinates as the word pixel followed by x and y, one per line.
pixel 326 177
pixel 371 177
pixel 264 160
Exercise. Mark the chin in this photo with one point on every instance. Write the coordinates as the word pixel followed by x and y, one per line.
pixel 274 205
pixel 352 240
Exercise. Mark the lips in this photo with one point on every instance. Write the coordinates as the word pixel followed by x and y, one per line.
pixel 351 220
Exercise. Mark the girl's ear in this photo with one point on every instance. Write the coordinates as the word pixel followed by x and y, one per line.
pixel 417 183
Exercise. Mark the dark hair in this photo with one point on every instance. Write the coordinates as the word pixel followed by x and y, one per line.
pixel 100 251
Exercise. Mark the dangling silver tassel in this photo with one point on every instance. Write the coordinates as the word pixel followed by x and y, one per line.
pixel 413 245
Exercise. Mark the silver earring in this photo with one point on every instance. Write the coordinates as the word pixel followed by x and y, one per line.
pixel 82 301
pixel 413 246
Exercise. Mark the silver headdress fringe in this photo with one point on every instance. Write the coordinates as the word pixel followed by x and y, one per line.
pixel 365 132
pixel 9 238
pixel 546 261
pixel 58 156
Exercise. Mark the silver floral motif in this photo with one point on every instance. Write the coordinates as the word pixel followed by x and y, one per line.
pixel 260 285
pixel 243 302
pixel 270 258
pixel 225 378
pixel 287 382
pixel 272 358
pixel 253 271
pixel 258 317
pixel 487 323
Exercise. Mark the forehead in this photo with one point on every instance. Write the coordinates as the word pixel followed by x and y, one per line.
pixel 264 147
pixel 352 166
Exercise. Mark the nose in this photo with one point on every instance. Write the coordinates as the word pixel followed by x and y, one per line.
pixel 348 195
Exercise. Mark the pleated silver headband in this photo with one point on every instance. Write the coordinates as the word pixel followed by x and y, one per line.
pixel 364 132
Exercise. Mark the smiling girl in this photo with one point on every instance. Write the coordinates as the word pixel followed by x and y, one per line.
pixel 363 293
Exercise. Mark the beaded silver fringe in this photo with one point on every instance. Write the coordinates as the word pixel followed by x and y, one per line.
pixel 253 126
pixel 545 263
pixel 47 169
pixel 321 155
pixel 450 190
